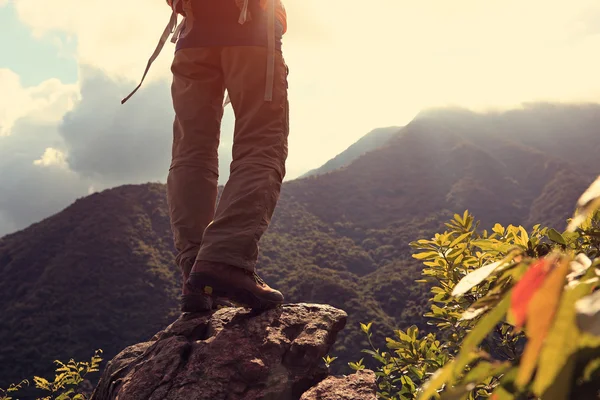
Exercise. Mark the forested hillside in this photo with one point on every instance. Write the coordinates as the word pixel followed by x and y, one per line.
pixel 100 274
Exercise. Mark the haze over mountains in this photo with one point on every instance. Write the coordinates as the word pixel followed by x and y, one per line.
pixel 100 274
pixel 371 141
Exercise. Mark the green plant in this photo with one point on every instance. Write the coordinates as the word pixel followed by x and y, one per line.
pixel 5 394
pixel 68 378
pixel 408 362
pixel 329 360
pixel 516 313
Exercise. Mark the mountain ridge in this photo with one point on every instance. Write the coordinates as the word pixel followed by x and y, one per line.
pixel 371 141
pixel 101 274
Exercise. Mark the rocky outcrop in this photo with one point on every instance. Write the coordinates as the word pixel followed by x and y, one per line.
pixel 231 354
pixel 359 386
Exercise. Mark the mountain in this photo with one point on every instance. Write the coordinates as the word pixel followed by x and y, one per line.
pixel 371 141
pixel 441 164
pixel 100 274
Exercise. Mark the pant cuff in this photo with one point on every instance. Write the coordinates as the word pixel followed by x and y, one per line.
pixel 239 262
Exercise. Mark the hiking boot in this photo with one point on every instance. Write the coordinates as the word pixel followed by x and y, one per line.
pixel 236 284
pixel 194 301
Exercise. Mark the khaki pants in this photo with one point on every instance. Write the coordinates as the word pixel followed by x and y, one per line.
pixel 231 232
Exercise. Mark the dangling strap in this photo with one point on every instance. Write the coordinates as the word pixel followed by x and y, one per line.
pixel 178 30
pixel 244 13
pixel 161 43
pixel 227 100
pixel 270 77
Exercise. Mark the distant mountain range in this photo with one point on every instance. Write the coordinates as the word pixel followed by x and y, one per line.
pixel 100 274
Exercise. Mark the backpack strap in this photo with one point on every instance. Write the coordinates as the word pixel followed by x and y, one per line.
pixel 169 29
pixel 176 29
pixel 270 50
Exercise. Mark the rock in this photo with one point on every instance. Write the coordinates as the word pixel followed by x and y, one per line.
pixel 359 386
pixel 232 354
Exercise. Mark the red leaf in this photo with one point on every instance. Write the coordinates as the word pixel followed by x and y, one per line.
pixel 526 288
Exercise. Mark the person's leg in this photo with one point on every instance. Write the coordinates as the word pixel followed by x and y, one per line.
pixel 259 154
pixel 230 243
pixel 197 90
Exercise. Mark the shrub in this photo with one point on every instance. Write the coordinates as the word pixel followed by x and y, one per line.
pixel 66 384
pixel 516 314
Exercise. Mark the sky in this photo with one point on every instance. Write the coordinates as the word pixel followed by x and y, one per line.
pixel 354 66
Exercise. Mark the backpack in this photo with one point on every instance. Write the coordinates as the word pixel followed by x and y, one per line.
pixel 184 8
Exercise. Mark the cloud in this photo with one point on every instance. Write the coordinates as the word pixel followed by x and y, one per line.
pixel 28 132
pixel 52 157
pixel 46 102
pixel 131 143
pixel 32 191
pixel 115 143
pixel 352 68
pixel 57 150
pixel 379 63
pixel 114 36
pixel 34 181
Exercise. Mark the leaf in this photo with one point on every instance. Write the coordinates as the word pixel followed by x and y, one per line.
pixel 490 245
pixel 499 229
pixel 587 203
pixel 371 353
pixel 556 237
pixel 66 395
pixel 435 382
pixel 458 218
pixel 457 393
pixel 579 266
pixel 486 369
pixel 478 333
pixel 475 278
pixel 41 383
pixel 588 313
pixel 473 313
pixel 505 390
pixel 524 291
pixel 366 328
pixel 406 381
pixel 592 193
pixel 460 239
pixel 427 254
pixel 412 331
pixel 560 344
pixel 540 315
pixel 484 244
pixel 357 366
pixel 590 369
pixel 524 236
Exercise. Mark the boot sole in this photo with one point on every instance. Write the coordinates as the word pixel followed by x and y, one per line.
pixel 202 282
